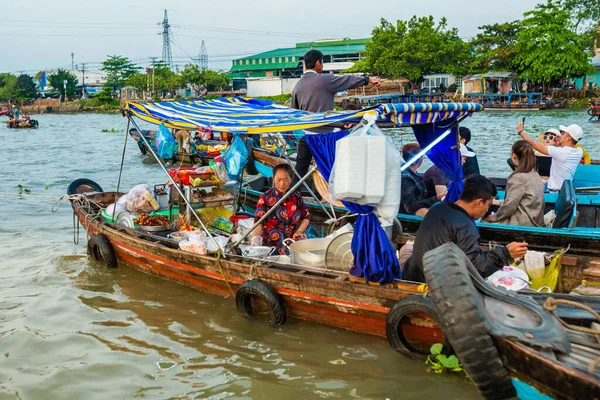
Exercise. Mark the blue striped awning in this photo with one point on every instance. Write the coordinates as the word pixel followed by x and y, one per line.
pixel 261 116
pixel 425 113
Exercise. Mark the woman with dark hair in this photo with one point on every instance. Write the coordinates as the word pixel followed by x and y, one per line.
pixel 291 218
pixel 524 200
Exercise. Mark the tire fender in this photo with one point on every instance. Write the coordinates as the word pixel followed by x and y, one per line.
pixel 76 186
pixel 261 289
pixel 400 310
pixel 462 314
pixel 100 249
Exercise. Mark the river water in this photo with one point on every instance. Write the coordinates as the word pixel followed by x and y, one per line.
pixel 70 329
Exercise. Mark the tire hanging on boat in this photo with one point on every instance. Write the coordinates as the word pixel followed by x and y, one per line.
pixel 83 185
pixel 402 309
pixel 101 250
pixel 461 311
pixel 261 289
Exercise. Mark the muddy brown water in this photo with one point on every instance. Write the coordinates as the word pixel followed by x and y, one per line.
pixel 70 329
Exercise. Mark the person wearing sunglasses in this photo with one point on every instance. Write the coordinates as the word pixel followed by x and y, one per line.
pixel 566 156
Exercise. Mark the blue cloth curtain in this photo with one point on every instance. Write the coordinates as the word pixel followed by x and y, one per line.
pixel 374 257
pixel 445 155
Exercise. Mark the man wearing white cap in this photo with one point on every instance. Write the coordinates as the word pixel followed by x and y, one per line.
pixel 565 158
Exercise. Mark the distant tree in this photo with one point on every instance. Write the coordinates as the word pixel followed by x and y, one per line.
pixel 585 14
pixel 211 80
pixel 415 48
pixel 25 88
pixel 8 84
pixel 548 48
pixel 138 81
pixel 57 78
pixel 118 69
pixel 494 47
pixel 192 75
pixel 105 96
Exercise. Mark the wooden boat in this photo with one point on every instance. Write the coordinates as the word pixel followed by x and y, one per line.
pixel 324 296
pixel 594 110
pixel 22 124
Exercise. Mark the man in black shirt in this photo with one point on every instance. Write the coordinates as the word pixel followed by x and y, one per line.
pixel 454 222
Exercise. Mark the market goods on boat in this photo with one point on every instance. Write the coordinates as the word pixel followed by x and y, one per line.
pixel 517 334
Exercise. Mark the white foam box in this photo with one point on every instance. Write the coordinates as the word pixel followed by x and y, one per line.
pixel 350 156
pixel 375 173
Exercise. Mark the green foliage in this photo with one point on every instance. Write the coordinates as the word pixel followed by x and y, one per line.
pixel 8 84
pixel 495 47
pixel 440 362
pixel 25 88
pixel 118 69
pixel 105 96
pixel 585 14
pixel 282 98
pixel 111 130
pixel 415 48
pixel 138 81
pixel 209 79
pixel 22 189
pixel 548 48
pixel 57 78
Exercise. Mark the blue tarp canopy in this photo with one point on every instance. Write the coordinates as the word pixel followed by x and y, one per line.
pixel 261 116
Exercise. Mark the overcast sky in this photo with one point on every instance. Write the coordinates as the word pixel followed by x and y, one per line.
pixel 40 34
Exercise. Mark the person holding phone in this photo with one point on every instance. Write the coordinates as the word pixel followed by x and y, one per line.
pixel 565 158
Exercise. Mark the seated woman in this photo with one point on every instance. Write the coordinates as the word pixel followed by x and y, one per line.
pixel 413 192
pixel 524 200
pixel 291 218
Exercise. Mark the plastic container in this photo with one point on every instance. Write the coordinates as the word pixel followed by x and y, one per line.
pixel 236 218
pixel 182 175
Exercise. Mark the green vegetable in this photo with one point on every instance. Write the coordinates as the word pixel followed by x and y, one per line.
pixel 441 363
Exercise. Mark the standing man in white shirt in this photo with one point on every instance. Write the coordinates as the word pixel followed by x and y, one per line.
pixel 565 158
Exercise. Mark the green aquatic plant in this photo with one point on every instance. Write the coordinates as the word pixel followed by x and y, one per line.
pixel 22 189
pixel 441 363
pixel 111 130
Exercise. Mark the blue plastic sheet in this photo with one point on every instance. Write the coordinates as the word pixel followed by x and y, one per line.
pixel 165 142
pixel 445 155
pixel 374 257
pixel 236 157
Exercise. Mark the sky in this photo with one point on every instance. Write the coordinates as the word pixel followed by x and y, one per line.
pixel 41 35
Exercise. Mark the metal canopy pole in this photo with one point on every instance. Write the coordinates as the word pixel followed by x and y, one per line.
pixel 274 207
pixel 304 183
pixel 185 199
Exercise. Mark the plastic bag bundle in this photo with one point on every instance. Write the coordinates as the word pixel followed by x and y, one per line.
pixel 165 142
pixel 236 157
pixel 195 243
pixel 220 171
pixel 535 265
pixel 367 171
pixel 551 273
pixel 140 200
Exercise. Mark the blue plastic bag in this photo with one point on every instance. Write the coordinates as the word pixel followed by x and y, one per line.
pixel 236 157
pixel 165 142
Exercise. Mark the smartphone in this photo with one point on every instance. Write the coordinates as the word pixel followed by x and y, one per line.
pixel 523 121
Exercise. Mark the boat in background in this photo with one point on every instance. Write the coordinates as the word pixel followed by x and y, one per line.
pixel 22 124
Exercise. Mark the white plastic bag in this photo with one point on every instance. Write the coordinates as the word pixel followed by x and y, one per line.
pixel 141 200
pixel 367 171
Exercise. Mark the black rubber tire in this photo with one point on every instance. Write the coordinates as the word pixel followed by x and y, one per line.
pixel 256 287
pixel 250 167
pixel 461 310
pixel 101 250
pixel 142 146
pixel 77 183
pixel 407 306
pixel 590 112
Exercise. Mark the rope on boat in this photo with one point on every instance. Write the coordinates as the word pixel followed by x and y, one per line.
pixel 56 205
pixel 552 304
pixel 223 272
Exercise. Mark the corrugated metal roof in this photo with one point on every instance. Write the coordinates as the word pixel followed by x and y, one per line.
pixel 300 51
pixel 492 74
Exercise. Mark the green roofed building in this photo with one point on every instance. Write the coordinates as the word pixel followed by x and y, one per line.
pixel 263 73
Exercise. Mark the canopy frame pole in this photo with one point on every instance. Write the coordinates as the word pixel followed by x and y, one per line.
pixel 314 196
pixel 122 162
pixel 183 196
pixel 274 207
pixel 434 143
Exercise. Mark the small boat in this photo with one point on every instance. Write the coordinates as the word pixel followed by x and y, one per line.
pixel 594 110
pixel 514 337
pixel 4 112
pixel 22 124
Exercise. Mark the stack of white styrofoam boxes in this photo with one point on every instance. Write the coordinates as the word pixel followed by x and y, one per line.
pixel 360 169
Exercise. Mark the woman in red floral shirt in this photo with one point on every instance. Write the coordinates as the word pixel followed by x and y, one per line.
pixel 291 218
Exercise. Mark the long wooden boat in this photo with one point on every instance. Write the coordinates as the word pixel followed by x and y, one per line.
pixel 324 296
pixel 22 124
